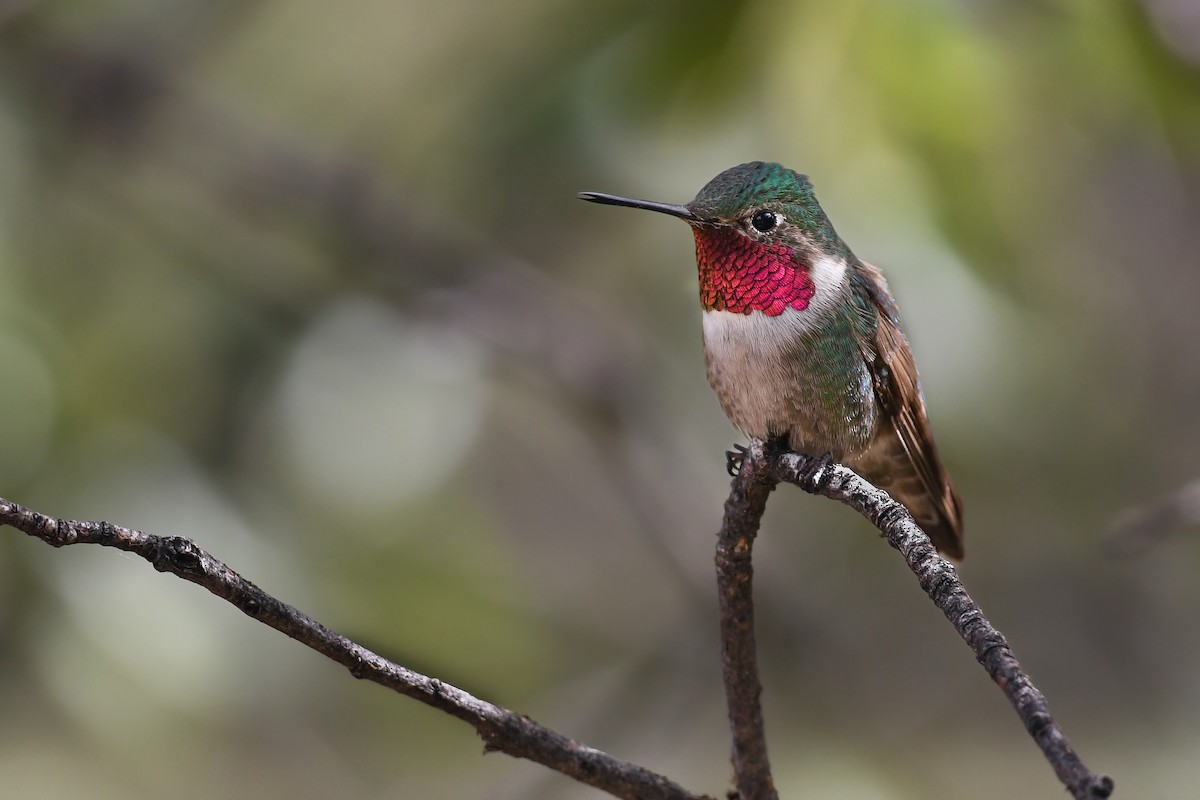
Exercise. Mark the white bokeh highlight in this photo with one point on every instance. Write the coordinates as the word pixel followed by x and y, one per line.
pixel 376 410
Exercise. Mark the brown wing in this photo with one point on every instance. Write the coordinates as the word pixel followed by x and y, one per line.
pixel 903 458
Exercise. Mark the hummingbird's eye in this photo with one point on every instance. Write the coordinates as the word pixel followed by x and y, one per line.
pixel 764 221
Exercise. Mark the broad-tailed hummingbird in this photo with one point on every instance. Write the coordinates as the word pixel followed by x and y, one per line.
pixel 802 340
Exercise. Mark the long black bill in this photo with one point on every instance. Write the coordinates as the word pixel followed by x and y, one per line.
pixel 631 202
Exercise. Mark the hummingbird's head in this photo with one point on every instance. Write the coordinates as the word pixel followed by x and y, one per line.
pixel 766 201
pixel 761 238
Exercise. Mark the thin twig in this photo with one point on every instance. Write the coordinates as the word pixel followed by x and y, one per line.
pixel 501 730
pixel 735 544
pixel 1141 528
pixel 940 581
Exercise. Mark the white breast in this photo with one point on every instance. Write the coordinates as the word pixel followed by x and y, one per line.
pixel 769 380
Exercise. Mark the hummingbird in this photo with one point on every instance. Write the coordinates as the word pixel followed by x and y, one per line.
pixel 802 339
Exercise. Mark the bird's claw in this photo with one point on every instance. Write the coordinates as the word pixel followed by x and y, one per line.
pixel 815 473
pixel 734 459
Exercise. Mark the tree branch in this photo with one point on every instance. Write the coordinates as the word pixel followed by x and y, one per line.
pixel 939 579
pixel 508 732
pixel 735 543
pixel 501 730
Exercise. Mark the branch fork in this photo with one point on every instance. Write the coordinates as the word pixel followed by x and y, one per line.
pixel 762 468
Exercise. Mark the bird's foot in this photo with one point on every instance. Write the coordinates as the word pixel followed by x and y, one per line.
pixel 815 474
pixel 734 459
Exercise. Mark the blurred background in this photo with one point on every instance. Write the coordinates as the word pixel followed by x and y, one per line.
pixel 308 283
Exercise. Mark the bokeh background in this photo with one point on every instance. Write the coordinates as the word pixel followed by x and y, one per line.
pixel 308 282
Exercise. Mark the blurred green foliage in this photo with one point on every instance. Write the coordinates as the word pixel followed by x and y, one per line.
pixel 308 283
